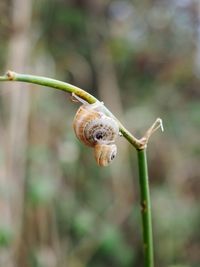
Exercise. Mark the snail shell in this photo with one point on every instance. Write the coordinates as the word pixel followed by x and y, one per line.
pixel 95 129
pixel 104 154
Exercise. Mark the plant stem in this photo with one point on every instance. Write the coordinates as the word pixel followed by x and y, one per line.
pixel 13 76
pixel 139 144
pixel 145 209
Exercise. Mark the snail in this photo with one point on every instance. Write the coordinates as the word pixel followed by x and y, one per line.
pixel 95 129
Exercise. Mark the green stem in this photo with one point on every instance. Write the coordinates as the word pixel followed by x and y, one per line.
pixel 13 76
pixel 145 209
pixel 139 144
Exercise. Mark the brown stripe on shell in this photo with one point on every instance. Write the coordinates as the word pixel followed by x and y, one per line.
pixel 81 120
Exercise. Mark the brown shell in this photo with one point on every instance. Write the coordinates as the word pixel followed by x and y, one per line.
pixel 92 127
pixel 81 119
pixel 104 154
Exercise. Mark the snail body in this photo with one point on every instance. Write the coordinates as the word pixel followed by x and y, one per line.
pixel 93 128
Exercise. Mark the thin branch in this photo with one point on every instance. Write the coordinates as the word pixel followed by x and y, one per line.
pixel 139 144
pixel 158 124
pixel 13 76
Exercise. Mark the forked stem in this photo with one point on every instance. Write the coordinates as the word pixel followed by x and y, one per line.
pixel 158 124
pixel 139 144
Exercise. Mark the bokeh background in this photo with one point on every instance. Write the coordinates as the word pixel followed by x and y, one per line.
pixel 142 58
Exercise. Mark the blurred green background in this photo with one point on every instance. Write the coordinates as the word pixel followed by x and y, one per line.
pixel 142 58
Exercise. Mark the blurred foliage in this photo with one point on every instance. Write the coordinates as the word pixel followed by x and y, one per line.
pixel 74 213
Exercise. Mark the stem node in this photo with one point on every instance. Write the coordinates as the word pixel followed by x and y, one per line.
pixel 11 75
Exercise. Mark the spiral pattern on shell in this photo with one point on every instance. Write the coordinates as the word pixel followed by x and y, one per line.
pixel 105 154
pixel 93 127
